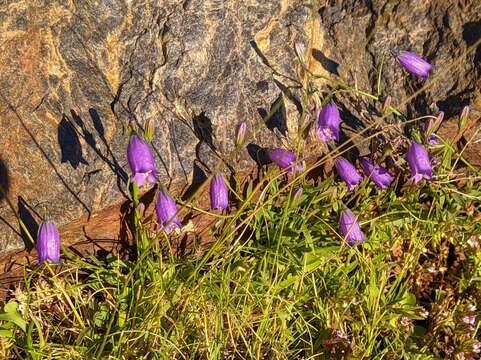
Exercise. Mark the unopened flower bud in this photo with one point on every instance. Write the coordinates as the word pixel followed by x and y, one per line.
pixel 241 134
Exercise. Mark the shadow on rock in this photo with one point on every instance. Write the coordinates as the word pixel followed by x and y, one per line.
pixel 198 178
pixel 203 129
pixel 25 212
pixel 69 143
pixel 328 64
pixel 349 118
pixel 288 93
pixel 454 104
pixel 258 154
pixel 472 34
pixel 4 180
pixel 276 117
pixel 110 159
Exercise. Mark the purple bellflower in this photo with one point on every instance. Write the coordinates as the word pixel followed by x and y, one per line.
pixel 419 162
pixel 328 123
pixel 414 64
pixel 348 173
pixel 285 159
pixel 48 243
pixel 141 161
pixel 350 229
pixel 378 174
pixel 167 213
pixel 219 193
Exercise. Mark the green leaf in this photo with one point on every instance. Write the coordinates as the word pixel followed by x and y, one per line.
pixel 12 315
pixel 6 333
pixel 419 330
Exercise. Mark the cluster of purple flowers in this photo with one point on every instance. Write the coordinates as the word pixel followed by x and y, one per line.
pixel 142 165
pixel 328 128
pixel 144 171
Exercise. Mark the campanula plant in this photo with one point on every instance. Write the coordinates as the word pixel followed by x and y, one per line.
pixel 141 161
pixel 350 228
pixel 414 64
pixel 348 173
pixel 285 159
pixel 219 193
pixel 328 123
pixel 419 162
pixel 48 243
pixel 377 173
pixel 167 212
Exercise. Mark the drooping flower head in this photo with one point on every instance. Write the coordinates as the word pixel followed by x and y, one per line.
pixel 285 159
pixel 167 213
pixel 419 162
pixel 328 123
pixel 141 161
pixel 48 243
pixel 414 64
pixel 219 193
pixel 348 173
pixel 378 174
pixel 350 228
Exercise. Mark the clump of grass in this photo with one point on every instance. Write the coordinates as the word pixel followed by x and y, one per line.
pixel 277 283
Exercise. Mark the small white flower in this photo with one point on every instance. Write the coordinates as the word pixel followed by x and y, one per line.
pixel 405 321
pixel 473 242
pixel 425 313
pixel 469 319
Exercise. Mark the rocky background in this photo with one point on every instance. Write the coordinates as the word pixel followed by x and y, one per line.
pixel 73 74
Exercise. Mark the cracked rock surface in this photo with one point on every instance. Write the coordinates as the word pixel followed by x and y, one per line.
pixel 73 74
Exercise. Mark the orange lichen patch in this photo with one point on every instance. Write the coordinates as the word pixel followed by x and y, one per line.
pixel 111 68
pixel 22 58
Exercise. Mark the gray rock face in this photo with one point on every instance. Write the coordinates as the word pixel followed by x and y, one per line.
pixel 73 75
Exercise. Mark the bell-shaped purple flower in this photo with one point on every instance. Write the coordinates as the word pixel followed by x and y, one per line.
pixel 219 193
pixel 378 174
pixel 348 173
pixel 328 123
pixel 414 64
pixel 141 161
pixel 48 243
pixel 167 213
pixel 419 162
pixel 350 229
pixel 285 159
